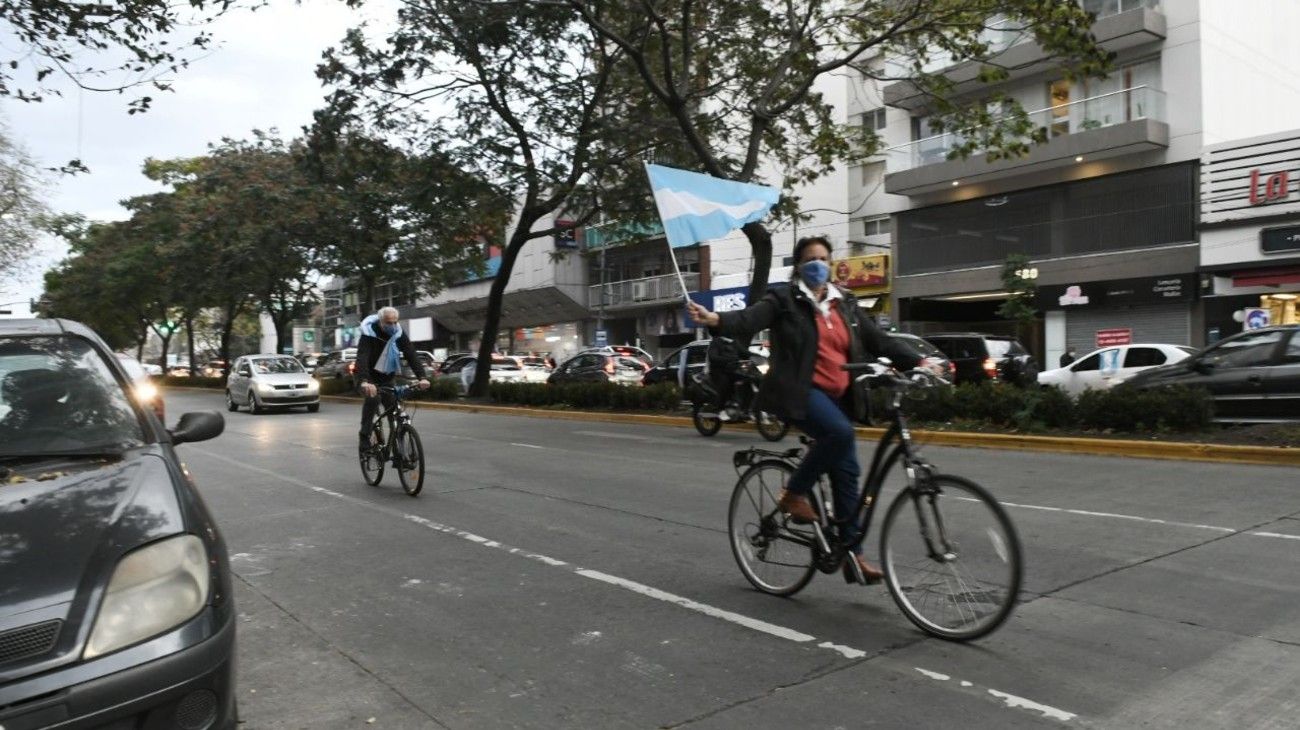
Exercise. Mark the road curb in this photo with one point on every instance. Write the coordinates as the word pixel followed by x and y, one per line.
pixel 1169 450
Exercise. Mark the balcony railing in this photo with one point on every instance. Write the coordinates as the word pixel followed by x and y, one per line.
pixel 642 291
pixel 1104 110
pixel 1002 33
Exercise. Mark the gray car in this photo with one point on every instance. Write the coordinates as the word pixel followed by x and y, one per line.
pixel 261 382
pixel 115 588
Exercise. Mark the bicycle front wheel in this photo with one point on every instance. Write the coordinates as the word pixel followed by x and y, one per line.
pixel 774 556
pixel 410 459
pixel 951 558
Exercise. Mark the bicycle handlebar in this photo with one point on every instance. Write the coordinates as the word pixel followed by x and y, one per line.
pixel 883 373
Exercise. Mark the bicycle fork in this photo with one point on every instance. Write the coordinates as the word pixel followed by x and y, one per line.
pixel 925 499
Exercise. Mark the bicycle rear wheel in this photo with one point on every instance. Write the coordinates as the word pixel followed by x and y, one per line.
pixel 774 557
pixel 963 581
pixel 372 458
pixel 409 455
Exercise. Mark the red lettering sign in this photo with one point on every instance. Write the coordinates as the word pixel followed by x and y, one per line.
pixel 1113 337
pixel 1276 187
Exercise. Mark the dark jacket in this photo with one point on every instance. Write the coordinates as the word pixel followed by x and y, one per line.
pixel 370 348
pixel 790 315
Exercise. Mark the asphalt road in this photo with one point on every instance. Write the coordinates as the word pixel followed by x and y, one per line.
pixel 569 574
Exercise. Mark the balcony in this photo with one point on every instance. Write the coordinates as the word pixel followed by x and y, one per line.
pixel 634 293
pixel 1120 24
pixel 1118 123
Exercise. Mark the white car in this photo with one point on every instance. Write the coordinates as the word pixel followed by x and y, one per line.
pixel 503 370
pixel 1109 366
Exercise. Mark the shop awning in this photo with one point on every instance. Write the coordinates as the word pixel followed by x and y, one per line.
pixel 1267 277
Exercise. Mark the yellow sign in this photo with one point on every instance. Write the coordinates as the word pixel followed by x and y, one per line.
pixel 863 274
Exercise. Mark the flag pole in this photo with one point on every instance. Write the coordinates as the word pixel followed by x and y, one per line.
pixel 671 253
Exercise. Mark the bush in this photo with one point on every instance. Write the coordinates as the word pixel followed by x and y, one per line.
pixel 1175 408
pixel 196 382
pixel 661 397
pixel 337 386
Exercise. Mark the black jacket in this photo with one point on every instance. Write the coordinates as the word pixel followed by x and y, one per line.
pixel 790 315
pixel 370 348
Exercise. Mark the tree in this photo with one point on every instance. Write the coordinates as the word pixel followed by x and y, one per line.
pixel 389 214
pixel 51 39
pixel 23 214
pixel 737 78
pixel 519 95
pixel 1018 280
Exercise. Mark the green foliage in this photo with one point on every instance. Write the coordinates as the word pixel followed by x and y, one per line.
pixel 604 396
pixel 1020 306
pixel 1034 409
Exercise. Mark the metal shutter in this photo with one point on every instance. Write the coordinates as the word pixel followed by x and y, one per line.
pixel 1151 323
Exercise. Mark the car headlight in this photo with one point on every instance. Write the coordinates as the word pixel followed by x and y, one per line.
pixel 265 387
pixel 153 589
pixel 313 384
pixel 146 391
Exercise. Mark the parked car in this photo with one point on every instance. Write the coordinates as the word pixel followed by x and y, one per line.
pixel 599 367
pixel 1253 376
pixel 179 371
pixel 980 358
pixel 214 369
pixel 1109 366
pixel 310 361
pixel 143 388
pixel 116 604
pixel 452 359
pixel 337 364
pixel 426 362
pixel 696 355
pixel 502 370
pixel 536 369
pixel 928 349
pixel 624 350
pixel 261 382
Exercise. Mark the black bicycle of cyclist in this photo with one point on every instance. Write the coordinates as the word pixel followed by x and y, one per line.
pixel 401 447
pixel 950 554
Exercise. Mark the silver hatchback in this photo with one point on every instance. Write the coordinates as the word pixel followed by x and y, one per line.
pixel 261 382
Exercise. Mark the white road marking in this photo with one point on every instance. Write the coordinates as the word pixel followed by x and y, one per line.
pixel 527 446
pixel 933 675
pixel 1136 518
pixel 732 617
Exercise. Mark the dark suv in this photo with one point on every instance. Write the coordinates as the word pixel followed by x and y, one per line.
pixel 979 358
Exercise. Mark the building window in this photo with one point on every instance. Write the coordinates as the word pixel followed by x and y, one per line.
pixel 876 226
pixel 874 119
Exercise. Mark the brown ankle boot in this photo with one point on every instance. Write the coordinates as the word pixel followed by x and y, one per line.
pixel 797 506
pixel 869 571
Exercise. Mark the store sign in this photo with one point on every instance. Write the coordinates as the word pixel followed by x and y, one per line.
pixel 863 274
pixel 602 338
pixel 1275 187
pixel 566 236
pixel 1115 336
pixel 1146 290
pixel 1277 240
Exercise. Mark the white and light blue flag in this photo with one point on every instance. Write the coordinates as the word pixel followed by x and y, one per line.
pixel 695 207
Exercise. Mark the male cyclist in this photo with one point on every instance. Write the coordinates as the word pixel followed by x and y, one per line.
pixel 379 360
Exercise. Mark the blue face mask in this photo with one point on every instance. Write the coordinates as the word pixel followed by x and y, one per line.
pixel 814 273
pixel 390 329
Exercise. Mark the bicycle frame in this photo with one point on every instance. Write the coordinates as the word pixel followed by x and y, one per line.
pixel 393 414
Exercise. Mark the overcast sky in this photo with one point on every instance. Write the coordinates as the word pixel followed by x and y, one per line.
pixel 261 75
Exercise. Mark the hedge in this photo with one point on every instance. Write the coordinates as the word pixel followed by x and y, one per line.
pixel 660 397
pixel 1121 408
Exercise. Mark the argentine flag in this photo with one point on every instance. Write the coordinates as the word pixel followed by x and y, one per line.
pixel 696 207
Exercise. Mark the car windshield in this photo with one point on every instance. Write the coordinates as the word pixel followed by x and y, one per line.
pixel 957 348
pixel 923 347
pixel 276 366
pixel 59 396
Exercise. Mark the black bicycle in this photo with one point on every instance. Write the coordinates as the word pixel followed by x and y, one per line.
pixel 950 554
pixel 394 440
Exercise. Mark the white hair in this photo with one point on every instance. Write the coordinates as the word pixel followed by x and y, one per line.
pixel 387 311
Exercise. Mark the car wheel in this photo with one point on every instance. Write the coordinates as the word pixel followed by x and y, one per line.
pixel 253 406
pixel 314 407
pixel 231 405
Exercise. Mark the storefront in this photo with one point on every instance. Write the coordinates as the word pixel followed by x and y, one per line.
pixel 1250 233
pixel 868 278
pixel 1088 315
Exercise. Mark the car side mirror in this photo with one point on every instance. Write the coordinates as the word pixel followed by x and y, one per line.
pixel 198 426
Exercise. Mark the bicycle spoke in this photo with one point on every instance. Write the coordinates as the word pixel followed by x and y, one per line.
pixel 773 558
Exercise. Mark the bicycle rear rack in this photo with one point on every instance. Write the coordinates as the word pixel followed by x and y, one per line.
pixel 742 460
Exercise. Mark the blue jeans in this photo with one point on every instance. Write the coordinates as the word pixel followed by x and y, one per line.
pixel 835 454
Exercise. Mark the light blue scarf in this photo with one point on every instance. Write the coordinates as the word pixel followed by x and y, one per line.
pixel 390 358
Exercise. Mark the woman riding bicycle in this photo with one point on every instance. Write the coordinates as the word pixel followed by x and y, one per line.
pixel 816 327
